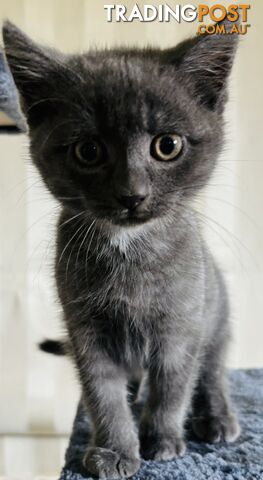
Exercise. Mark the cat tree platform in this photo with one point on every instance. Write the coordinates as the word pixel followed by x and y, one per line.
pixel 242 460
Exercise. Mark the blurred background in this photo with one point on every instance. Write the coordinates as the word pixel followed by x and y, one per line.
pixel 38 393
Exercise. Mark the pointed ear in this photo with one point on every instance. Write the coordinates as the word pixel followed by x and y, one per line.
pixel 205 63
pixel 36 70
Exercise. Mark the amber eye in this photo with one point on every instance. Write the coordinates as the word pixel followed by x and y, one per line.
pixel 166 147
pixel 89 152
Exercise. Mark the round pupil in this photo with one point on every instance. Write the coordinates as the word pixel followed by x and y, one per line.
pixel 89 151
pixel 167 145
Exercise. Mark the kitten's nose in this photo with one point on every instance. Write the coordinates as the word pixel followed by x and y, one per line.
pixel 131 201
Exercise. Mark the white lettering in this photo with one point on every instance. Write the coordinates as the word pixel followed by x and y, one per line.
pixel 120 13
pixel 109 9
pixel 150 13
pixel 161 12
pixel 169 12
pixel 135 13
pixel 189 13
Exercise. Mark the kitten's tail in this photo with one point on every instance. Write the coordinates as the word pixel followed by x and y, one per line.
pixel 55 347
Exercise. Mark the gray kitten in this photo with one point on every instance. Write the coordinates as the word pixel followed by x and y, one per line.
pixel 124 139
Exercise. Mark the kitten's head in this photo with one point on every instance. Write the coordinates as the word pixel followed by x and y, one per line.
pixel 124 135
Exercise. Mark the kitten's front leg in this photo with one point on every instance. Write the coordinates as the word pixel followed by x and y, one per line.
pixel 114 451
pixel 172 375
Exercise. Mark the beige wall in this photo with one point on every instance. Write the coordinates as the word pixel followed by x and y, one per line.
pixel 38 393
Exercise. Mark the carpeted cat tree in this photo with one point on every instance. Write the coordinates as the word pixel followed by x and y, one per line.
pixel 11 118
pixel 242 460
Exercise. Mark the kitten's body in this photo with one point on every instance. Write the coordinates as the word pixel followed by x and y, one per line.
pixel 139 288
pixel 136 290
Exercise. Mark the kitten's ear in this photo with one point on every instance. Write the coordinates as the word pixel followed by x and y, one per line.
pixel 36 71
pixel 205 63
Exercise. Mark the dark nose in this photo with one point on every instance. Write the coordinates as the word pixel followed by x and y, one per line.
pixel 131 201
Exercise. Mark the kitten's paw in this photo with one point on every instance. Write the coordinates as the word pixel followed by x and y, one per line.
pixel 168 451
pixel 162 448
pixel 110 465
pixel 217 429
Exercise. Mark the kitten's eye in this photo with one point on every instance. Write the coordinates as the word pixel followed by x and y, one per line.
pixel 166 147
pixel 89 152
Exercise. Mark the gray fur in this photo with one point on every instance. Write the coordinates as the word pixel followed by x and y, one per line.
pixel 141 292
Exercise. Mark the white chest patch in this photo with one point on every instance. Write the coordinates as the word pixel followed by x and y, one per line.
pixel 125 239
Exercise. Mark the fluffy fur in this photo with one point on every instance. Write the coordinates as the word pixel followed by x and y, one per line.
pixel 140 291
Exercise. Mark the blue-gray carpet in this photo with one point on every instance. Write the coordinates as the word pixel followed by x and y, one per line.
pixel 242 460
pixel 9 103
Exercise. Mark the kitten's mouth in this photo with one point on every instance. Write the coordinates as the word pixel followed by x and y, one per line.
pixel 124 217
pixel 132 217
